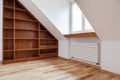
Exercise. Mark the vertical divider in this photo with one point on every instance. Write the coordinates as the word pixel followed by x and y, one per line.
pixel 2 31
pixel 39 37
pixel 14 30
pixel 57 47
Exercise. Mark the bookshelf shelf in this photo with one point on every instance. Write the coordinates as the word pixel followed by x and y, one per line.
pixel 24 37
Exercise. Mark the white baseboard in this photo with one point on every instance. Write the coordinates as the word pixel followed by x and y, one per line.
pixel 84 61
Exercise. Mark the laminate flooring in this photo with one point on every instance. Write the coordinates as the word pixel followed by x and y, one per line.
pixel 53 69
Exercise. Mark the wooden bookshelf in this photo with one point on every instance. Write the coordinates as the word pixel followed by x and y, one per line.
pixel 48 44
pixel 18 9
pixel 8 7
pixel 24 37
pixel 26 29
pixel 47 39
pixel 43 30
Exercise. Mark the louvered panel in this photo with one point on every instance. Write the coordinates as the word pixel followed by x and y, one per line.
pixel 85 51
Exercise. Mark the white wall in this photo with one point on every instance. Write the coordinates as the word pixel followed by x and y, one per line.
pixel 57 11
pixel 110 59
pixel 104 15
pixel 1 30
pixel 64 48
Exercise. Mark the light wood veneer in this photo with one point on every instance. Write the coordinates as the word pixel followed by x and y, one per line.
pixel 78 35
pixel 53 69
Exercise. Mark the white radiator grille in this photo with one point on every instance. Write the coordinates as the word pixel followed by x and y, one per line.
pixel 85 51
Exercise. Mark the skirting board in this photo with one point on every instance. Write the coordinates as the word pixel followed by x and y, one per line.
pixel 98 67
pixel 63 58
pixel 85 61
pixel 81 62
pixel 110 72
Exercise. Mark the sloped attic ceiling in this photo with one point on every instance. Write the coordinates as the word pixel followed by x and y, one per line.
pixel 104 16
pixel 29 4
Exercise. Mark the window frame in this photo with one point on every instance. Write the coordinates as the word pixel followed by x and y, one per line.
pixel 83 21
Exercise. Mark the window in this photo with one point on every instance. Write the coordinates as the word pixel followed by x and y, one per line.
pixel 79 23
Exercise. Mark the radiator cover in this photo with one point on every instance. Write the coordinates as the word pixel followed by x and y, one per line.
pixel 85 51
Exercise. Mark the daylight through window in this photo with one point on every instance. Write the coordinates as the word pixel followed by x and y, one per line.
pixel 79 22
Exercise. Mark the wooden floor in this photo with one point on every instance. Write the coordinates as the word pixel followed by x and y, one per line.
pixel 53 69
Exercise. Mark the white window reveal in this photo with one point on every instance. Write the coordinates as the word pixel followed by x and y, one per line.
pixel 79 22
